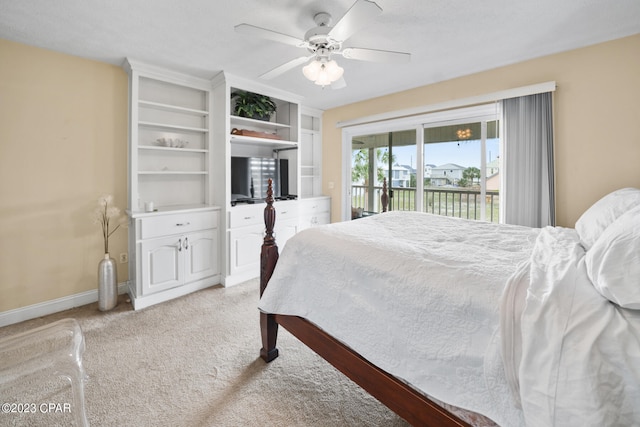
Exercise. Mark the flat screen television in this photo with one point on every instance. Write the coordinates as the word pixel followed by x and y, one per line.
pixel 250 175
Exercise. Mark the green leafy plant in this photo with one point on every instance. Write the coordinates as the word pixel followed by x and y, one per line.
pixel 253 105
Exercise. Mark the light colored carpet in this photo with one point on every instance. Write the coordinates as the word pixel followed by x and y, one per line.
pixel 194 361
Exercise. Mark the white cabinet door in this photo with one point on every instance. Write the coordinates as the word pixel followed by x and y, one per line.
pixel 201 255
pixel 312 220
pixel 314 211
pixel 162 264
pixel 284 230
pixel 244 248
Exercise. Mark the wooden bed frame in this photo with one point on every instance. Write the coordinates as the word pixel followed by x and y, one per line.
pixel 405 401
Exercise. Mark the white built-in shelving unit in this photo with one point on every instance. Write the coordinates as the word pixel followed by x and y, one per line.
pixel 244 223
pixel 182 136
pixel 173 232
pixel 170 136
pixel 311 153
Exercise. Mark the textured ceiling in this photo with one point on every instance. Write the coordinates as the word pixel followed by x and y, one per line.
pixel 446 38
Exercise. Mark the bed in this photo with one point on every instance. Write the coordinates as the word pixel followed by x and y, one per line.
pixel 461 323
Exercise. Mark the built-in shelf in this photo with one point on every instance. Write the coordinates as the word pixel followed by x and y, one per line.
pixel 284 123
pixel 172 127
pixel 276 143
pixel 311 154
pixel 172 173
pixel 160 148
pixel 172 108
pixel 259 123
pixel 170 132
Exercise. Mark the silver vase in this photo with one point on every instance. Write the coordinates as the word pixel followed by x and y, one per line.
pixel 107 284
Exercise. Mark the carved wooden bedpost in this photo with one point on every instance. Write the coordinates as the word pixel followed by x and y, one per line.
pixel 385 197
pixel 268 259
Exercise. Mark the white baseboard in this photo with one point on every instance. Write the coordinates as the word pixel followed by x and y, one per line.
pixel 239 278
pixel 53 306
pixel 158 297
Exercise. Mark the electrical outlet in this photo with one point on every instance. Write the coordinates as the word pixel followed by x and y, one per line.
pixel 124 258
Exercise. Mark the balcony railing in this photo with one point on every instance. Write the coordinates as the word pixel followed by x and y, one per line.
pixel 457 202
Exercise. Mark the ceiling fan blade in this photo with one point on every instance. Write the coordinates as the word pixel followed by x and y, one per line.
pixel 375 55
pixel 252 30
pixel 339 84
pixel 285 67
pixel 360 14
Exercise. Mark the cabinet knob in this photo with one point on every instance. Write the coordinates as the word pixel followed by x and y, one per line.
pixel 182 224
pixel 179 245
pixel 186 243
pixel 248 217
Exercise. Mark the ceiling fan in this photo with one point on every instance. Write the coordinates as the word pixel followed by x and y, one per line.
pixel 325 40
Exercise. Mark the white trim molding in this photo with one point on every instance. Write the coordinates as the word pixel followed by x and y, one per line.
pixel 454 103
pixel 29 312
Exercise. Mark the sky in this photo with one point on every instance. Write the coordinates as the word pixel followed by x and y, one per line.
pixel 466 154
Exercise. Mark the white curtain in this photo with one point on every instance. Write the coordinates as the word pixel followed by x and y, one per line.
pixel 528 150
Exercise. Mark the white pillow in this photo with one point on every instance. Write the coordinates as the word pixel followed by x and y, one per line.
pixel 613 262
pixel 604 212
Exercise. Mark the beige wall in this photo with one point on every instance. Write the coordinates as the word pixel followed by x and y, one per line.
pixel 597 111
pixel 63 143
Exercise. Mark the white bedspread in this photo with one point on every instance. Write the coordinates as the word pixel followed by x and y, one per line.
pixel 416 294
pixel 572 357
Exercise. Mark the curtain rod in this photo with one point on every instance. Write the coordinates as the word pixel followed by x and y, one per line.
pixel 455 103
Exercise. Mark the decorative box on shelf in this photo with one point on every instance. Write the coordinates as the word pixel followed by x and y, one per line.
pixel 255 134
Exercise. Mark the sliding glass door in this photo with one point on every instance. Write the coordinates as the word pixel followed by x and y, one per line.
pixel 379 156
pixel 446 163
pixel 461 165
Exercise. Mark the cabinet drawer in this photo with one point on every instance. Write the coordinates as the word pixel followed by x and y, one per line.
pixel 315 205
pixel 242 216
pixel 163 225
pixel 286 210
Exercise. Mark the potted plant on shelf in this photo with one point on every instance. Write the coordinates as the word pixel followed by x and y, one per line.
pixel 253 105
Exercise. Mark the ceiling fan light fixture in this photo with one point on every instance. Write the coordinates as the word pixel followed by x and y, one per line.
pixel 326 40
pixel 334 71
pixel 323 80
pixel 323 73
pixel 312 69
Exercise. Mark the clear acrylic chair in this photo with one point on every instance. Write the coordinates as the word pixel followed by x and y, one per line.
pixel 56 350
